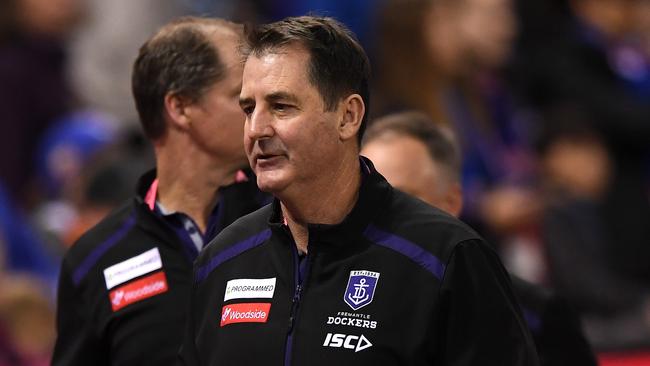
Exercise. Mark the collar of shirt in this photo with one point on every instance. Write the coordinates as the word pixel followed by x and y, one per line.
pixel 183 225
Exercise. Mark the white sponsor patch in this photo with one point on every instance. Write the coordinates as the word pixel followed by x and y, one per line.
pixel 131 268
pixel 246 288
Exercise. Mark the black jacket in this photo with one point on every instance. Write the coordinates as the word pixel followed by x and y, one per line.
pixel 396 283
pixel 139 320
pixel 556 328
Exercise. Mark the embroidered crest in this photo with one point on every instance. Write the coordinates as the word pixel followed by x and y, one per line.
pixel 361 288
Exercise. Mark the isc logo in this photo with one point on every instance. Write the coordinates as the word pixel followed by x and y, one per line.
pixel 356 343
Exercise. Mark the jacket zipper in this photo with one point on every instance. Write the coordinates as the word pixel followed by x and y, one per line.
pixel 300 273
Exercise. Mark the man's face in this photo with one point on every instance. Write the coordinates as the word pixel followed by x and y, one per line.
pixel 406 164
pixel 290 140
pixel 217 121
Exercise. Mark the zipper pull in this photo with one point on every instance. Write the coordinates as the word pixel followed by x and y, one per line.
pixel 296 295
pixel 294 306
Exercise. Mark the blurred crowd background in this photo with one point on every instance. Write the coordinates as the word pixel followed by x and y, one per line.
pixel 549 100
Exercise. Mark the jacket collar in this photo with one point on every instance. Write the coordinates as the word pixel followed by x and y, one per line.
pixel 236 199
pixel 374 193
pixel 243 178
pixel 143 185
pixel 145 217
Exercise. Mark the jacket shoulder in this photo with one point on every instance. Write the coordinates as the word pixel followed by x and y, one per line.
pixel 408 222
pixel 84 255
pixel 119 221
pixel 245 233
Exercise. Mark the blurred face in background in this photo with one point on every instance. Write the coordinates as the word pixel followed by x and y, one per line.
pixel 407 165
pixel 488 28
pixel 615 18
pixel 28 318
pixel 579 166
pixel 642 24
pixel 53 18
pixel 465 35
pixel 441 37
pixel 217 120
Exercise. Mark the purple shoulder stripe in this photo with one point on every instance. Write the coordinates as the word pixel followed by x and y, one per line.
pixel 420 256
pixel 99 251
pixel 233 251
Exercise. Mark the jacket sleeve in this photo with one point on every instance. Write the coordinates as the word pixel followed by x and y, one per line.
pixel 480 321
pixel 574 238
pixel 76 343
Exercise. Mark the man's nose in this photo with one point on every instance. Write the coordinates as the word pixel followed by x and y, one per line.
pixel 260 125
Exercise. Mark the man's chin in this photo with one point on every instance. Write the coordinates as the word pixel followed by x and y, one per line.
pixel 270 184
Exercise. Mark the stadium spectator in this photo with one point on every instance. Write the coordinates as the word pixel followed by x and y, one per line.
pixel 444 58
pixel 27 319
pixel 595 64
pixel 578 174
pixel 33 87
pixel 422 159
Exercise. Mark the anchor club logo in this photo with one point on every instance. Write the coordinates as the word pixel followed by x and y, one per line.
pixel 361 288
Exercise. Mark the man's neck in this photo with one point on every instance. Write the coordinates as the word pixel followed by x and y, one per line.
pixel 327 201
pixel 188 182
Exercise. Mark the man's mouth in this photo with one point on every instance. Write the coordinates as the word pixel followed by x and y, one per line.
pixel 265 156
pixel 267 160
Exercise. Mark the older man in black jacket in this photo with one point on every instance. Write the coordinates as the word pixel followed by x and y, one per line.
pixel 341 268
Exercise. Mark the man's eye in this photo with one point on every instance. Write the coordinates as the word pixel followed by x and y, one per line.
pixel 281 107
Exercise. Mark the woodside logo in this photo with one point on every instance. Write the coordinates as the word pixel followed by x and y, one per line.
pixel 245 313
pixel 138 290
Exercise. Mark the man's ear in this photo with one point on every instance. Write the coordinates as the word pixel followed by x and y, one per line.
pixel 177 108
pixel 353 110
pixel 454 200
